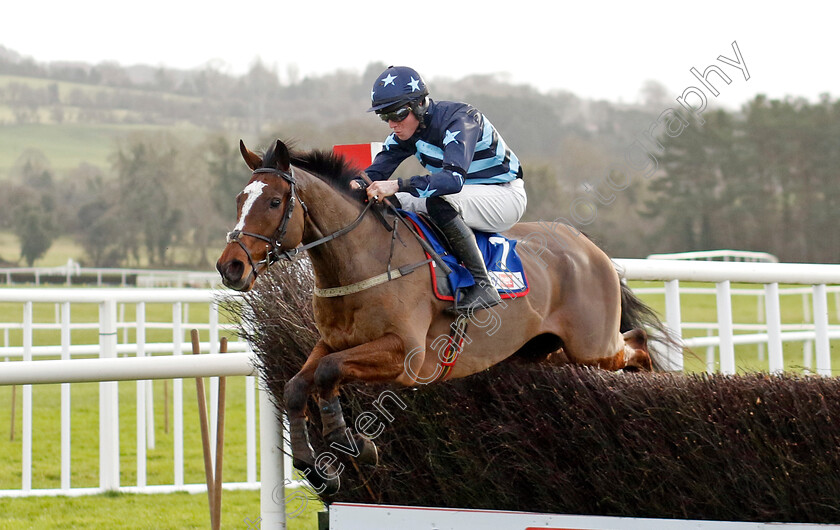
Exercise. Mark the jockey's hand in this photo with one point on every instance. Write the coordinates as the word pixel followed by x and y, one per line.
pixel 382 188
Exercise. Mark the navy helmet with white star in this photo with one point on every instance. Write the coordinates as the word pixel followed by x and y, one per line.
pixel 397 85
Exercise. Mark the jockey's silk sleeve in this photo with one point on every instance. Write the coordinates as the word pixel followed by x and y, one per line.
pixel 458 146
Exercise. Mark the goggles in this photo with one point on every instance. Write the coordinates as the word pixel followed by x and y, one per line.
pixel 396 116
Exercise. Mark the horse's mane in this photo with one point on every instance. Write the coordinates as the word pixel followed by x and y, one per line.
pixel 329 167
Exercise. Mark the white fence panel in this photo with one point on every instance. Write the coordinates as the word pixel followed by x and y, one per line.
pixel 109 368
pixel 74 274
pixel 129 369
pixel 774 327
pixel 771 333
pixel 110 304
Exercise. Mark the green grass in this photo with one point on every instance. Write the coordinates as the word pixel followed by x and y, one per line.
pixel 703 308
pixel 85 437
pixel 65 248
pixel 69 143
pixel 66 146
pixel 62 249
pixel 65 88
pixel 121 510
pixel 84 399
pixel 240 509
pixel 190 511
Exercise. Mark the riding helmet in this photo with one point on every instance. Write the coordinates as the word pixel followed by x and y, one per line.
pixel 396 86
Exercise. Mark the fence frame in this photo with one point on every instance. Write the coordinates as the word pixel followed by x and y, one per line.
pixel 73 272
pixel 723 274
pixel 108 349
pixel 110 368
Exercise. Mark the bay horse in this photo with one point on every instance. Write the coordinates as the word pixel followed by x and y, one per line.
pixel 577 310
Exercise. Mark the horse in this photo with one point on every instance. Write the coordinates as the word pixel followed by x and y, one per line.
pixel 390 330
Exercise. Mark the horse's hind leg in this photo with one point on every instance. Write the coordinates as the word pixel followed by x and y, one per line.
pixel 380 360
pixel 636 354
pixel 627 351
pixel 296 393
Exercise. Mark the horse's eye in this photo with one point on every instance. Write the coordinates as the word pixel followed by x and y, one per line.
pixel 275 202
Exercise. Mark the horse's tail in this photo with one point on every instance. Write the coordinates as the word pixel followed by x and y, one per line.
pixel 637 314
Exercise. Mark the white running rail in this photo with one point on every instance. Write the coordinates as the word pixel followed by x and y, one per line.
pixel 770 276
pixel 111 303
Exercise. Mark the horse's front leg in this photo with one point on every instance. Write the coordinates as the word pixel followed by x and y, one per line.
pixel 378 361
pixel 296 393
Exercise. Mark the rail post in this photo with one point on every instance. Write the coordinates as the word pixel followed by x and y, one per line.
pixel 774 328
pixel 724 309
pixel 673 320
pixel 822 344
pixel 141 399
pixel 65 399
pixel 26 472
pixel 109 424
pixel 272 474
pixel 178 396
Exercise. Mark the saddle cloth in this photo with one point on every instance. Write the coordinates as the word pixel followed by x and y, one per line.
pixel 503 264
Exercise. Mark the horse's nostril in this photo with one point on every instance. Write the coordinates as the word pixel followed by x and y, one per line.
pixel 232 270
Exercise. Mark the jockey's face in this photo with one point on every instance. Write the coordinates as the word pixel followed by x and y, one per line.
pixel 406 128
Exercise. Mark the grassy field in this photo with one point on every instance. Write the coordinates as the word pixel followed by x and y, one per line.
pixel 123 510
pixel 180 510
pixel 240 509
pixel 190 511
pixel 68 143
pixel 64 248
pixel 703 308
pixel 66 146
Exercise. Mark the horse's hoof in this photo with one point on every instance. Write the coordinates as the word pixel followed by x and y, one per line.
pixel 368 453
pixel 300 465
pixel 325 486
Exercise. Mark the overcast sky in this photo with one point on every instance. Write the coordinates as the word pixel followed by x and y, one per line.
pixel 593 49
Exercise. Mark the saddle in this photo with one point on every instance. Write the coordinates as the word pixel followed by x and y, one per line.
pixel 503 264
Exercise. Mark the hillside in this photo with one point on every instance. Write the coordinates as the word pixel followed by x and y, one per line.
pixel 111 152
pixel 42 105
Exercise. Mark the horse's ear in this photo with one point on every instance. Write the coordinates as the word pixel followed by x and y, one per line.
pixel 252 159
pixel 281 153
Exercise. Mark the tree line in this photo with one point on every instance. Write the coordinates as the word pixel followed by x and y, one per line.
pixel 758 178
pixel 161 192
pixel 763 179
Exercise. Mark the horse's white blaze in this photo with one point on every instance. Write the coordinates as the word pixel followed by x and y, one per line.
pixel 253 190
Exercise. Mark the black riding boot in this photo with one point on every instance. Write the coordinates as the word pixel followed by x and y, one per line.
pixel 462 241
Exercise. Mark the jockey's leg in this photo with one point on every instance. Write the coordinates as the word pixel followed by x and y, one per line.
pixel 462 242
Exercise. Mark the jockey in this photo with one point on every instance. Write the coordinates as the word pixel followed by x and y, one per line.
pixel 474 181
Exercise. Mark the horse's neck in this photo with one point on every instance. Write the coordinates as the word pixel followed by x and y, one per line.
pixel 342 259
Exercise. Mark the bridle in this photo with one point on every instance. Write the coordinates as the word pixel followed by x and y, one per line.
pixel 275 243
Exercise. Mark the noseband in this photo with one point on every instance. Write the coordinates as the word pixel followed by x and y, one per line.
pixel 275 243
